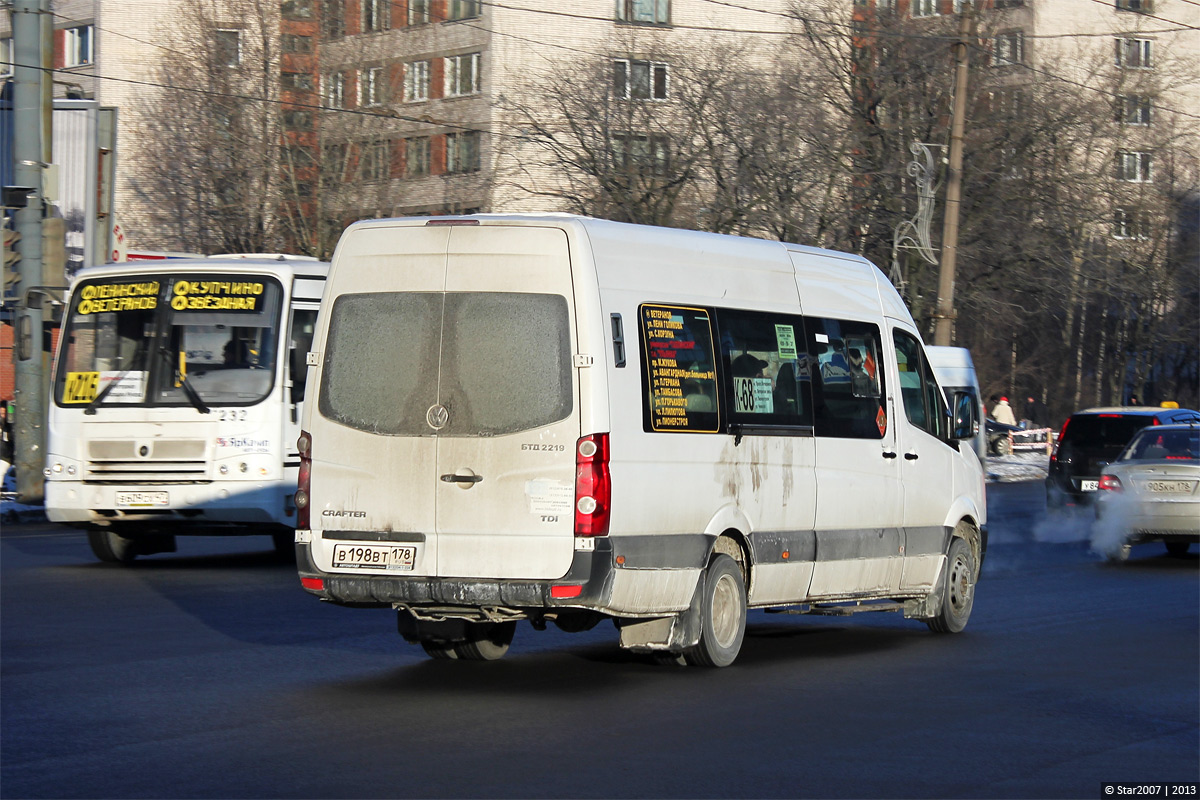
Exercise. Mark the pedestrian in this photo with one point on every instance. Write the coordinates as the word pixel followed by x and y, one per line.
pixel 1036 412
pixel 6 440
pixel 1003 413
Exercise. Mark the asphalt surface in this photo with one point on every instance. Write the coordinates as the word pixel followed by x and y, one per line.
pixel 210 673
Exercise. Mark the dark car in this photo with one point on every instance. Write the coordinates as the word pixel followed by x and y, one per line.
pixel 1092 438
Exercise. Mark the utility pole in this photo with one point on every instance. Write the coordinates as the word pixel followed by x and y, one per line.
pixel 944 318
pixel 32 104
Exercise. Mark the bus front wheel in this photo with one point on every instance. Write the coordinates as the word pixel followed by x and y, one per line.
pixel 112 548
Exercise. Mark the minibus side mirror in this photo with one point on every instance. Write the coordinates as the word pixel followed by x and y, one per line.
pixel 965 425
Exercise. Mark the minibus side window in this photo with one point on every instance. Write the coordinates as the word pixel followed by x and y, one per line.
pixel 678 370
pixel 847 378
pixel 765 368
pixel 923 403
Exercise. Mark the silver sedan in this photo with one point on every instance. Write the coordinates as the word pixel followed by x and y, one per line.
pixel 1151 492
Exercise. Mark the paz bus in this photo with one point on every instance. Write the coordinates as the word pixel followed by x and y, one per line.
pixel 176 395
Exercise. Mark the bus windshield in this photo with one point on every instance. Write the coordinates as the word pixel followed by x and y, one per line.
pixel 170 340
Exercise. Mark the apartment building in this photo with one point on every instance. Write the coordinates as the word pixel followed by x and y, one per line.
pixel 390 107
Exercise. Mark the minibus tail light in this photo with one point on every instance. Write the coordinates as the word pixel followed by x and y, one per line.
pixel 303 484
pixel 593 486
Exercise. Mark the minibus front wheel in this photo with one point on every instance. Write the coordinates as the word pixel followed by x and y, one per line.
pixel 957 588
pixel 722 615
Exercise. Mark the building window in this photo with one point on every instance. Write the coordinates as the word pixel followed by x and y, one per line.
pixel 1129 224
pixel 641 152
pixel 334 159
pixel 1009 3
pixel 462 9
pixel 375 14
pixel 652 12
pixel 416 157
pixel 6 56
pixel 297 9
pixel 333 90
pixel 1133 166
pixel 373 161
pixel 78 43
pixel 291 43
pixel 297 120
pixel 1133 53
pixel 371 84
pixel 1008 49
pixel 416 81
pixel 227 48
pixel 1144 6
pixel 297 156
pixel 462 152
pixel 1133 109
pixel 333 19
pixel 640 80
pixel 924 8
pixel 297 81
pixel 418 12
pixel 462 75
pixel 888 6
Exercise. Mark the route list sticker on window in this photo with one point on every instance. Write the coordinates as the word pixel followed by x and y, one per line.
pixel 682 380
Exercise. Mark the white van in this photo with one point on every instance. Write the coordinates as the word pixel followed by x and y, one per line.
pixel 561 419
pixel 955 371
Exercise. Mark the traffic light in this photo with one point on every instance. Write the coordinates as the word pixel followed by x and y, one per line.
pixel 11 257
pixel 54 251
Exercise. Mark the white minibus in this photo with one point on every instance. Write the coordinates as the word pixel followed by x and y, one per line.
pixel 564 420
pixel 955 371
pixel 176 397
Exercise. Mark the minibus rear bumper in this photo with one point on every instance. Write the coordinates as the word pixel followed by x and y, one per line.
pixel 587 584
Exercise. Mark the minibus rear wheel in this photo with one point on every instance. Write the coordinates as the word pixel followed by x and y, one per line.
pixel 486 641
pixel 722 615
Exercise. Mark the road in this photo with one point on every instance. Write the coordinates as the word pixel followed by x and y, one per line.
pixel 210 673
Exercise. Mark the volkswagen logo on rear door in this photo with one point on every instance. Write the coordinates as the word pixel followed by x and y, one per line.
pixel 437 416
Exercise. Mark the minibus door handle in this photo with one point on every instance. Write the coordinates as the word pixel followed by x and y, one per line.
pixel 889 454
pixel 911 456
pixel 452 478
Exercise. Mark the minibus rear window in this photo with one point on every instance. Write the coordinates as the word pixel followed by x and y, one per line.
pixel 497 362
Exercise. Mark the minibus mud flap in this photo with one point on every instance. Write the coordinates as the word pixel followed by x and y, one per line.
pixel 675 633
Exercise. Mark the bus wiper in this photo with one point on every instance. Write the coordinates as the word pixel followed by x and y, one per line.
pixel 91 407
pixel 192 395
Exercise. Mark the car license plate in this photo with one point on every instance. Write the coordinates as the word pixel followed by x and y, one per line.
pixel 1169 487
pixel 142 499
pixel 1089 486
pixel 374 556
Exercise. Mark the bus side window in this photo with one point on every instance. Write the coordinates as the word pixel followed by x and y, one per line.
pixel 304 323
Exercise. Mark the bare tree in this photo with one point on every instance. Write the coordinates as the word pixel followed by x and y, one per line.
pixel 210 135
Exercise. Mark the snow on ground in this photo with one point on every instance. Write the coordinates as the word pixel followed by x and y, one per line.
pixel 1023 465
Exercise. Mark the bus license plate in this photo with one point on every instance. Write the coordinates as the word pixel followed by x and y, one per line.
pixel 142 499
pixel 374 556
pixel 1170 487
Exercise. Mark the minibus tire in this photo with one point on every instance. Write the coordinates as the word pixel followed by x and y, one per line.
pixel 112 548
pixel 488 641
pixel 722 615
pixel 439 649
pixel 958 589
